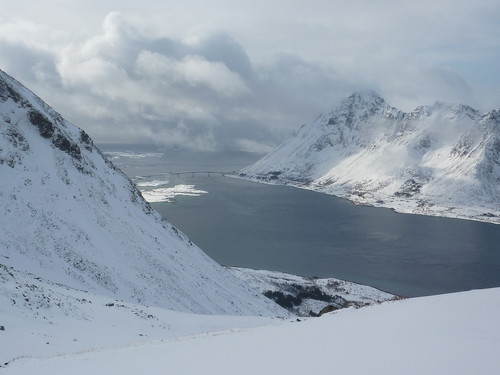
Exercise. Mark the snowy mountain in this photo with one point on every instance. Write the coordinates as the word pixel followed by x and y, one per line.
pixel 90 276
pixel 68 216
pixel 441 160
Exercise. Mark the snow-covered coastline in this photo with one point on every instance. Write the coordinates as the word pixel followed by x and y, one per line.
pixel 399 205
pixel 309 296
pixel 168 194
pixel 439 160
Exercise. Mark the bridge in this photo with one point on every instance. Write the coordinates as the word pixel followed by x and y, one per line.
pixel 192 173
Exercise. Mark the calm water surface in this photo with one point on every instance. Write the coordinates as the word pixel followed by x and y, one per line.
pixel 259 226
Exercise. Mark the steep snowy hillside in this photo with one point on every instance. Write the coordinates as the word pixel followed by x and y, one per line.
pixel 439 160
pixel 69 216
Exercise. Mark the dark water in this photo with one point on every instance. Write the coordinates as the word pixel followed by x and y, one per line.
pixel 302 232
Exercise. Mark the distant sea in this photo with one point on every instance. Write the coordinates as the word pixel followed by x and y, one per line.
pixel 246 224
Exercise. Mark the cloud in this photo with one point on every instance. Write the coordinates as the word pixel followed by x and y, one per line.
pixel 27 62
pixel 139 78
pixel 124 86
pixel 250 145
pixel 193 70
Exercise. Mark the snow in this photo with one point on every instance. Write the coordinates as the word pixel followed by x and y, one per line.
pixel 447 334
pixel 132 154
pixel 441 160
pixel 168 194
pixel 56 319
pixel 155 190
pixel 44 319
pixel 68 215
pixel 93 281
pixel 153 183
pixel 308 295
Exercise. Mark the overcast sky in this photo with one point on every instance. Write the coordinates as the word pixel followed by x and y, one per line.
pixel 228 74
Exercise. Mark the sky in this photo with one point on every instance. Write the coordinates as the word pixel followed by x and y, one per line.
pixel 233 75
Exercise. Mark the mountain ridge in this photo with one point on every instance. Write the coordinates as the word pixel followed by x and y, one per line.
pixel 441 159
pixel 69 216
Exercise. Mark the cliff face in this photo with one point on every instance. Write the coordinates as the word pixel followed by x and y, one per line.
pixel 69 216
pixel 439 160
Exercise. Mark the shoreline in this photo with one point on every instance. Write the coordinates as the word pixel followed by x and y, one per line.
pixel 440 211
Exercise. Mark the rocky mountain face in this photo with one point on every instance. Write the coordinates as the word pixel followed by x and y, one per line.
pixel 441 160
pixel 67 215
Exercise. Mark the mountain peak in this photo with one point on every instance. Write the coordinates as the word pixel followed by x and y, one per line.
pixel 449 110
pixel 356 108
pixel 365 100
pixel 438 160
pixel 365 96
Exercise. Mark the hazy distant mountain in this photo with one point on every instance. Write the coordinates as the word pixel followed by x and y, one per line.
pixel 439 160
pixel 69 216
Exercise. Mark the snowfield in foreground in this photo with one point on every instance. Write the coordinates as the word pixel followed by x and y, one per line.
pixel 448 334
pixel 56 319
pixel 41 318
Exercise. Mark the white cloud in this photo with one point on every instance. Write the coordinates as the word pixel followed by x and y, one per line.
pixel 193 70
pixel 169 73
pixel 250 145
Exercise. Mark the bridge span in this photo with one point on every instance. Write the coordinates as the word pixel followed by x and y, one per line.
pixel 192 173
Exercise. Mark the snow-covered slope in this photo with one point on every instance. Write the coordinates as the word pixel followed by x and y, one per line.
pixel 309 296
pixel 447 334
pixel 437 160
pixel 39 318
pixel 69 216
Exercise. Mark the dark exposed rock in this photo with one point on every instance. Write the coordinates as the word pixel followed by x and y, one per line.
pixel 332 121
pixel 45 127
pixel 274 175
pixel 64 144
pixel 409 188
pixel 488 214
pixel 17 139
pixel 327 309
pixel 6 92
pixel 287 301
pixel 295 294
pixel 48 130
pixel 424 143
pixel 85 139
